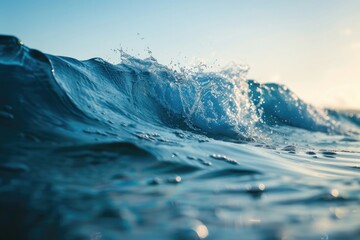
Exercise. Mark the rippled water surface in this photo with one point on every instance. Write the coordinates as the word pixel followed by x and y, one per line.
pixel 92 150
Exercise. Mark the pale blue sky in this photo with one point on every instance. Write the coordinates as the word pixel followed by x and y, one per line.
pixel 313 46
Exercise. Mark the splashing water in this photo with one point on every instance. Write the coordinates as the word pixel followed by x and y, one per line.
pixel 97 150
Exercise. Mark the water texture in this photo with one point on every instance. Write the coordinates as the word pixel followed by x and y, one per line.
pixel 93 150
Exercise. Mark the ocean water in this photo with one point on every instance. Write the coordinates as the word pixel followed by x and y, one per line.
pixel 138 150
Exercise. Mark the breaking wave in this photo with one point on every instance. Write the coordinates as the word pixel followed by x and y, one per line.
pixel 46 91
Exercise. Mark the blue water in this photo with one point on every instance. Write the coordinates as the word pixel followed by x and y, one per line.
pixel 93 150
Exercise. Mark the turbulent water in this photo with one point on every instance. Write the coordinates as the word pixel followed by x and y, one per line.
pixel 137 150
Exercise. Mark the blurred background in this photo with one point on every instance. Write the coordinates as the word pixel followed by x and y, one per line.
pixel 313 47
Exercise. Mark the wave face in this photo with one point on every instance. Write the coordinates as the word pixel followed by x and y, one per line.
pixel 207 126
pixel 222 103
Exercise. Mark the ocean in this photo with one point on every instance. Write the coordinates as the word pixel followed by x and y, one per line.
pixel 139 150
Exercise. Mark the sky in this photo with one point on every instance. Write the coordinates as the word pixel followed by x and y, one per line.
pixel 311 46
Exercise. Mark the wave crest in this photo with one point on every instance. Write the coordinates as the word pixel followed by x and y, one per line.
pixel 61 90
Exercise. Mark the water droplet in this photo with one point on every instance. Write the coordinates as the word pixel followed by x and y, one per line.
pixel 175 180
pixel 335 193
pixel 204 162
pixel 191 229
pixel 256 191
pixel 224 158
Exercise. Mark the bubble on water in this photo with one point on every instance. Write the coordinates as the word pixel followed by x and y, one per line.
pixel 204 162
pixel 174 180
pixel 257 190
pixel 261 186
pixel 224 158
pixel 191 229
pixel 334 193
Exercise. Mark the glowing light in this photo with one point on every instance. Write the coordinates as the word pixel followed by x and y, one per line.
pixel 178 179
pixel 202 231
pixel 334 193
pixel 261 186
